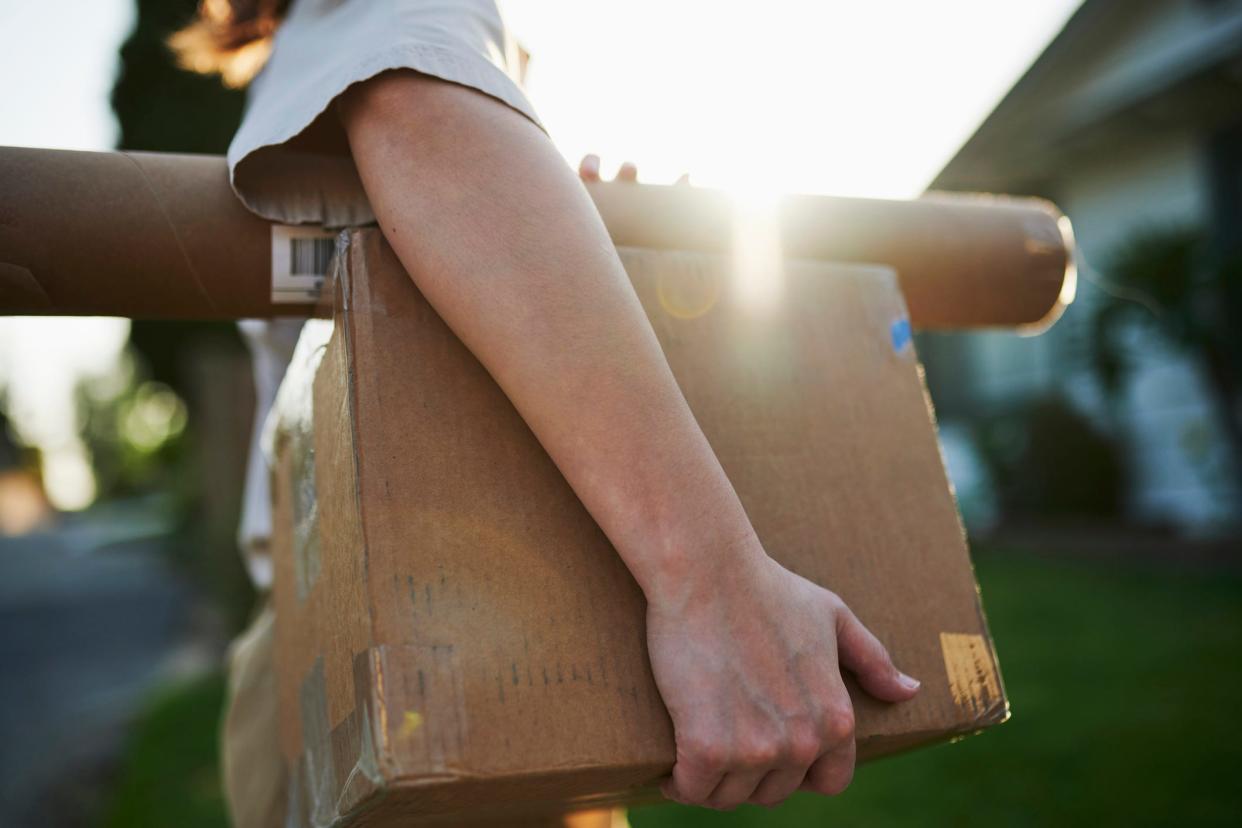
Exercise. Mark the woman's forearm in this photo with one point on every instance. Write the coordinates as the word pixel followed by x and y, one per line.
pixel 502 239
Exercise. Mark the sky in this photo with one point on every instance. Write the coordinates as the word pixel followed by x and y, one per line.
pixel 54 86
pixel 853 98
pixel 820 96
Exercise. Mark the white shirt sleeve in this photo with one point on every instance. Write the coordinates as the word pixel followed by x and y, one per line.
pixel 271 344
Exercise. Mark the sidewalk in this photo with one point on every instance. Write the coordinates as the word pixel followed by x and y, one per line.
pixel 88 620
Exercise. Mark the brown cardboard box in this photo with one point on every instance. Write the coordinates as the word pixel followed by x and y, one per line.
pixel 160 235
pixel 457 638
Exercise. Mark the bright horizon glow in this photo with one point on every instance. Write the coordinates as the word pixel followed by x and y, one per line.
pixel 865 99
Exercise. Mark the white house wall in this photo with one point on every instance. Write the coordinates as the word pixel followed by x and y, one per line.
pixel 1176 445
pixel 1094 127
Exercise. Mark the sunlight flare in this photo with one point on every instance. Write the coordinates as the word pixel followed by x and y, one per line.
pixel 758 271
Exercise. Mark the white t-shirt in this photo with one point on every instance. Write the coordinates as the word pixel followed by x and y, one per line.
pixel 289 161
pixel 271 343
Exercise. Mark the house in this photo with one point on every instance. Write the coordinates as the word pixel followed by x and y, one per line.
pixel 1130 119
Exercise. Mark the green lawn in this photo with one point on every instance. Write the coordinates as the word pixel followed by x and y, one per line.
pixel 1123 685
pixel 169 774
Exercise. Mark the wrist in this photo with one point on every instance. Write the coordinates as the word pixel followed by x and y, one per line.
pixel 676 574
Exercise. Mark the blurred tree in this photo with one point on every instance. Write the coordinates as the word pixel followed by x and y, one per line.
pixel 163 108
pixel 1048 460
pixel 133 429
pixel 1189 291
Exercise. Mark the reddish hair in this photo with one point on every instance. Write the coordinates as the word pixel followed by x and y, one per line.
pixel 230 38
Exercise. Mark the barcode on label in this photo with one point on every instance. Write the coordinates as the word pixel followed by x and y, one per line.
pixel 301 257
pixel 310 256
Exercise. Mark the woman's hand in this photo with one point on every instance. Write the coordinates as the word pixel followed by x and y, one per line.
pixel 747 658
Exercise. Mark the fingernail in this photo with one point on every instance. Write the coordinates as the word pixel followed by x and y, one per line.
pixel 908 682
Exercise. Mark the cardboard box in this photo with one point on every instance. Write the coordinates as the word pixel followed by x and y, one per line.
pixel 160 235
pixel 456 637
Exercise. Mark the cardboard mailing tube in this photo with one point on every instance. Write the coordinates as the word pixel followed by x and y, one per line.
pixel 152 235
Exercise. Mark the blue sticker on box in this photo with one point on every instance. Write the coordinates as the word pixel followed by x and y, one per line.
pixel 901 333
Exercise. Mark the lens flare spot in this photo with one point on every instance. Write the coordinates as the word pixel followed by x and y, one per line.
pixel 688 293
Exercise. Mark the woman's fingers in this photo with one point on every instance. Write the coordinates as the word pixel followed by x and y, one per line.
pixel 589 170
pixel 588 167
pixel 734 789
pixel 695 776
pixel 863 655
pixel 769 764
pixel 832 772
pixel 776 787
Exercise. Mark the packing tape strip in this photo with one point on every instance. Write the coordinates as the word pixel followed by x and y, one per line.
pixel 972 673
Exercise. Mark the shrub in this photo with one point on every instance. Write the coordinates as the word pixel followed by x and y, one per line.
pixel 1048 460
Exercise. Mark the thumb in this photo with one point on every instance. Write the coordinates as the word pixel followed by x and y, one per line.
pixel 864 656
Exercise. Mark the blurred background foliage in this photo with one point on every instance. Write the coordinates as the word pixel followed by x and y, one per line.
pixel 1184 285
pixel 1047 461
pixel 158 106
pixel 135 430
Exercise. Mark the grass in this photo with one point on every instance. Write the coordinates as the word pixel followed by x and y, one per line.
pixel 169 774
pixel 1123 684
